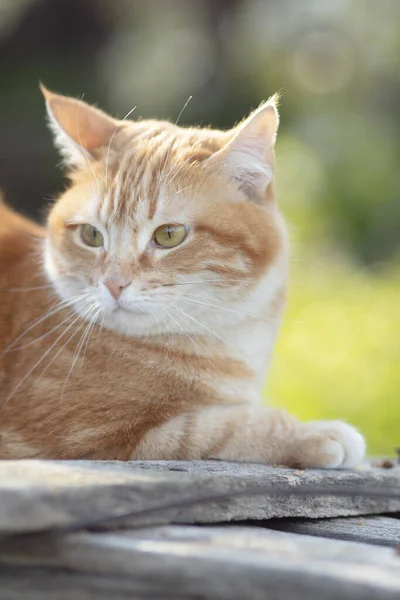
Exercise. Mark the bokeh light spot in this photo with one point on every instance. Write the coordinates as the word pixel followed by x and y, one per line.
pixel 323 62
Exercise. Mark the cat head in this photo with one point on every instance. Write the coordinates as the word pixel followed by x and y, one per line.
pixel 164 228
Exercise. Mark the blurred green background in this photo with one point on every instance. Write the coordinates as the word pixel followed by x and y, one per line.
pixel 337 66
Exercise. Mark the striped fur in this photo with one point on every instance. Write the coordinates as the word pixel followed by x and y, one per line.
pixel 173 367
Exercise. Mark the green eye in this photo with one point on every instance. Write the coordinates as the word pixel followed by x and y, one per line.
pixel 91 236
pixel 170 235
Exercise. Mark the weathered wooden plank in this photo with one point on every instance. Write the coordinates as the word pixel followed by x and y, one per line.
pixel 383 531
pixel 228 562
pixel 58 584
pixel 39 495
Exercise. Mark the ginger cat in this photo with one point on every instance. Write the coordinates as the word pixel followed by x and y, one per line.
pixel 139 322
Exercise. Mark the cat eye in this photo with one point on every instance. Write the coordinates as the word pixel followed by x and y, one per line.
pixel 91 236
pixel 170 235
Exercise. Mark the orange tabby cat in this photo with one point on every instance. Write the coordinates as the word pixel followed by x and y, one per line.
pixel 139 322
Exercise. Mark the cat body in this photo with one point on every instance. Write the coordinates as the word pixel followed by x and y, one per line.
pixel 139 323
pixel 122 386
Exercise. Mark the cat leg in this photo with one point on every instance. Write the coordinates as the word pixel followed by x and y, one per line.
pixel 253 433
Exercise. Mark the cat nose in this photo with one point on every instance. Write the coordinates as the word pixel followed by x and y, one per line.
pixel 115 285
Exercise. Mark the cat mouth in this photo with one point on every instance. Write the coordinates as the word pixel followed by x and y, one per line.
pixel 131 310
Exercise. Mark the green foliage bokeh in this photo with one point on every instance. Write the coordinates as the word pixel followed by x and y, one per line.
pixel 338 353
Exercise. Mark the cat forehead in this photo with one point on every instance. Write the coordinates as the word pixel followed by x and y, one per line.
pixel 155 174
pixel 139 212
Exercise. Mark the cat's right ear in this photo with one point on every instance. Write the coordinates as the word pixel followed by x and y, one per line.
pixel 247 158
pixel 80 131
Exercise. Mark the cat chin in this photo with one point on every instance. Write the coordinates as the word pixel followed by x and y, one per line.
pixel 136 324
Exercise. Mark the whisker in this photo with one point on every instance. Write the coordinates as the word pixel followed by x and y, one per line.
pixel 174 173
pixel 190 337
pixel 81 317
pixel 77 350
pixel 82 339
pixel 182 109
pixel 59 307
pixel 40 287
pixel 101 326
pixel 232 310
pixel 41 359
pixel 162 176
pixel 199 323
pixel 246 314
pixel 112 137
pixel 92 325
pixel 182 189
pixel 207 281
pixel 209 297
pixel 73 357
pixel 14 349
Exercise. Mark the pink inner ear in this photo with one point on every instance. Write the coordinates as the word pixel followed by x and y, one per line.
pixel 87 126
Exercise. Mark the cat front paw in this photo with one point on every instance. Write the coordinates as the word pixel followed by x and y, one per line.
pixel 329 445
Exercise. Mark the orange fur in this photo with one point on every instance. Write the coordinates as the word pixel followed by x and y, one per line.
pixel 172 368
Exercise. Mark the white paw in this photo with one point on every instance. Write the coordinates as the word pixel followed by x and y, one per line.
pixel 329 445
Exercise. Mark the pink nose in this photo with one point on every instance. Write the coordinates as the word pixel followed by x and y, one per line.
pixel 115 285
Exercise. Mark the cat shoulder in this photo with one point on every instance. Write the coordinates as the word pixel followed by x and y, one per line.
pixel 16 235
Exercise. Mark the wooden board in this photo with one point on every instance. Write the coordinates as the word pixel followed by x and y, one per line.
pixel 383 531
pixel 40 495
pixel 47 552
pixel 168 562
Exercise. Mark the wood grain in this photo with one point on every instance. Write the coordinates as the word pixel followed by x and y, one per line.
pixel 382 531
pixel 42 495
pixel 227 562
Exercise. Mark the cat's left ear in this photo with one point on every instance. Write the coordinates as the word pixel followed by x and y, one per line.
pixel 80 131
pixel 248 157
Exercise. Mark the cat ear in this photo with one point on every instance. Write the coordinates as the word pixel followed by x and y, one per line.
pixel 80 131
pixel 248 157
